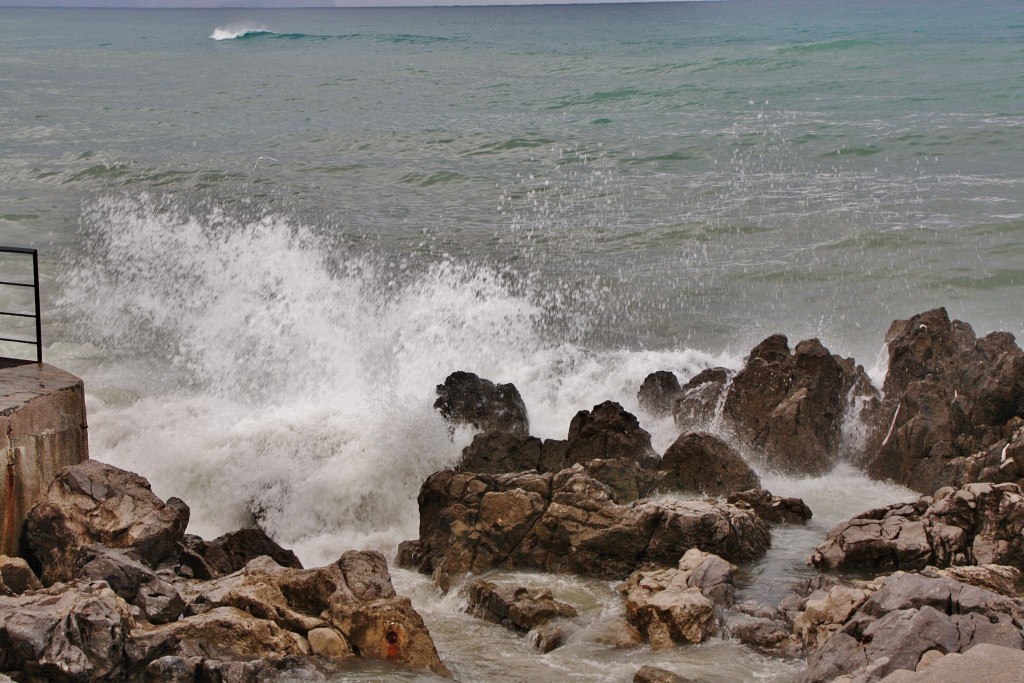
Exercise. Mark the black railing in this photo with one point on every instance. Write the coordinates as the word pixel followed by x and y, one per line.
pixel 38 343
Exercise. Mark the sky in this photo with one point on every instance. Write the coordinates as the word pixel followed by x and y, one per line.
pixel 271 3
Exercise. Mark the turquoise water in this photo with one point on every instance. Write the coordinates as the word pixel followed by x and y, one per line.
pixel 263 251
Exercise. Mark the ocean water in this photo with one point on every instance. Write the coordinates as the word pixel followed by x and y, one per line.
pixel 266 235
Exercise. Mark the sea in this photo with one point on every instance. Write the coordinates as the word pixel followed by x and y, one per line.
pixel 265 236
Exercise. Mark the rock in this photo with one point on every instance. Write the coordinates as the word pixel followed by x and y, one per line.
pixel 761 633
pixel 552 635
pixel 772 509
pixel 98 503
pixel 948 395
pixel 658 392
pixel 792 405
pixel 705 463
pixel 501 452
pixel 608 432
pixel 467 399
pixel 390 629
pixel 74 632
pixel 981 663
pixel 172 669
pixel 652 674
pixel 697 404
pixel 617 632
pixel 825 611
pixel 909 615
pixel 677 605
pixel 16 577
pixel 994 577
pixel 976 524
pixel 515 607
pixel 568 522
pixel 232 551
pixel 326 642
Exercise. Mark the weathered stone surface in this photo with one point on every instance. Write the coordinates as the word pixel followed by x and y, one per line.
pixel 792 404
pixel 658 392
pixel 42 429
pixel 975 524
pixel 16 576
pixel 772 509
pixel 326 642
pixel 705 463
pixel 232 551
pixel 465 398
pixel 75 632
pixel 552 635
pixel 948 394
pixel 608 432
pixel 981 663
pixel 671 606
pixel 997 578
pixel 652 674
pixel 515 607
pixel 617 632
pixel 132 581
pixel 909 615
pixel 568 522
pixel 390 629
pixel 698 401
pixel 98 503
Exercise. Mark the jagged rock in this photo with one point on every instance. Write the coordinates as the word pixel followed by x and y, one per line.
pixel 568 522
pixel 792 405
pixel 67 632
pixel 761 633
pixel 552 635
pixel 232 551
pixel 608 432
pixel 678 605
pixel 997 578
pixel 694 408
pixel 976 524
pixel 16 576
pixel 465 398
pixel 172 669
pixel 772 509
pixel 390 629
pixel 501 452
pixel 652 674
pixel 97 503
pixel 617 632
pixel 981 663
pixel 658 392
pixel 132 581
pixel 909 615
pixel 705 463
pixel 515 607
pixel 948 394
pixel 1002 462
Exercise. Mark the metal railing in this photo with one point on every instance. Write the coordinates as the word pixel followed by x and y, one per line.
pixel 38 343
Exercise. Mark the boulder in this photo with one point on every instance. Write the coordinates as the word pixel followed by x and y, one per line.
pixel 466 399
pixel 652 674
pixel 97 503
pixel 232 551
pixel 706 464
pixel 552 635
pixel 568 522
pixel 76 632
pixel 132 581
pixel 697 403
pixel 997 578
pixel 658 393
pixel 677 605
pixel 981 663
pixel 515 607
pixel 792 405
pixel 608 432
pixel 975 524
pixel 16 577
pixel 908 616
pixel 948 395
pixel 772 509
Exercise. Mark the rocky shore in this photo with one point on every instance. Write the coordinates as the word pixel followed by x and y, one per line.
pixel 109 586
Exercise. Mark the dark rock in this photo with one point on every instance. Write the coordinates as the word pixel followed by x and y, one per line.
pixel 515 607
pixel 501 452
pixel 568 522
pixel 123 570
pixel 232 551
pixel 552 635
pixel 16 577
pixel 698 401
pixel 467 399
pixel 773 509
pixel 608 432
pixel 976 524
pixel 652 674
pixel 658 393
pixel 97 503
pixel 705 463
pixel 948 395
pixel 173 669
pixel 792 405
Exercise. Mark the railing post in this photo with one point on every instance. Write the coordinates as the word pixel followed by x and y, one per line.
pixel 35 289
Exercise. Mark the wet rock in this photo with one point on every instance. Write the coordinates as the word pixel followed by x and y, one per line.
pixel 97 503
pixel 705 463
pixel 132 581
pixel 608 432
pixel 994 577
pixel 696 405
pixel 652 674
pixel 390 629
pixel 232 551
pixel 568 522
pixel 658 392
pixel 326 642
pixel 515 607
pixel 172 669
pixel 552 635
pixel 772 509
pixel 617 632
pixel 16 577
pixel 909 615
pixel 466 399
pixel 764 634
pixel 501 452
pixel 792 405
pixel 981 663
pixel 975 524
pixel 671 606
pixel 73 632
pixel 948 395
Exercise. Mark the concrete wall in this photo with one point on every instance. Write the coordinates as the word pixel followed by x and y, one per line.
pixel 42 429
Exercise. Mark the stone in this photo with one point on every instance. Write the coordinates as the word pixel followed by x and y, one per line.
pixel 466 399
pixel 658 393
pixel 232 551
pixel 326 642
pixel 994 577
pixel 171 669
pixel 617 632
pixel 772 509
pixel 696 406
pixel 552 635
pixel 98 503
pixel 705 464
pixel 652 674
pixel 981 663
pixel 608 432
pixel 791 405
pixel 16 577
pixel 515 607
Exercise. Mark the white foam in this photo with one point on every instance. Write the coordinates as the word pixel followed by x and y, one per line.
pixel 237 31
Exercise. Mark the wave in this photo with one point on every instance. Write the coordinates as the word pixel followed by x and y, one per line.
pixel 236 32
pixel 246 32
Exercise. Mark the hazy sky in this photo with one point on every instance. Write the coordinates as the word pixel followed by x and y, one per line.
pixel 274 3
